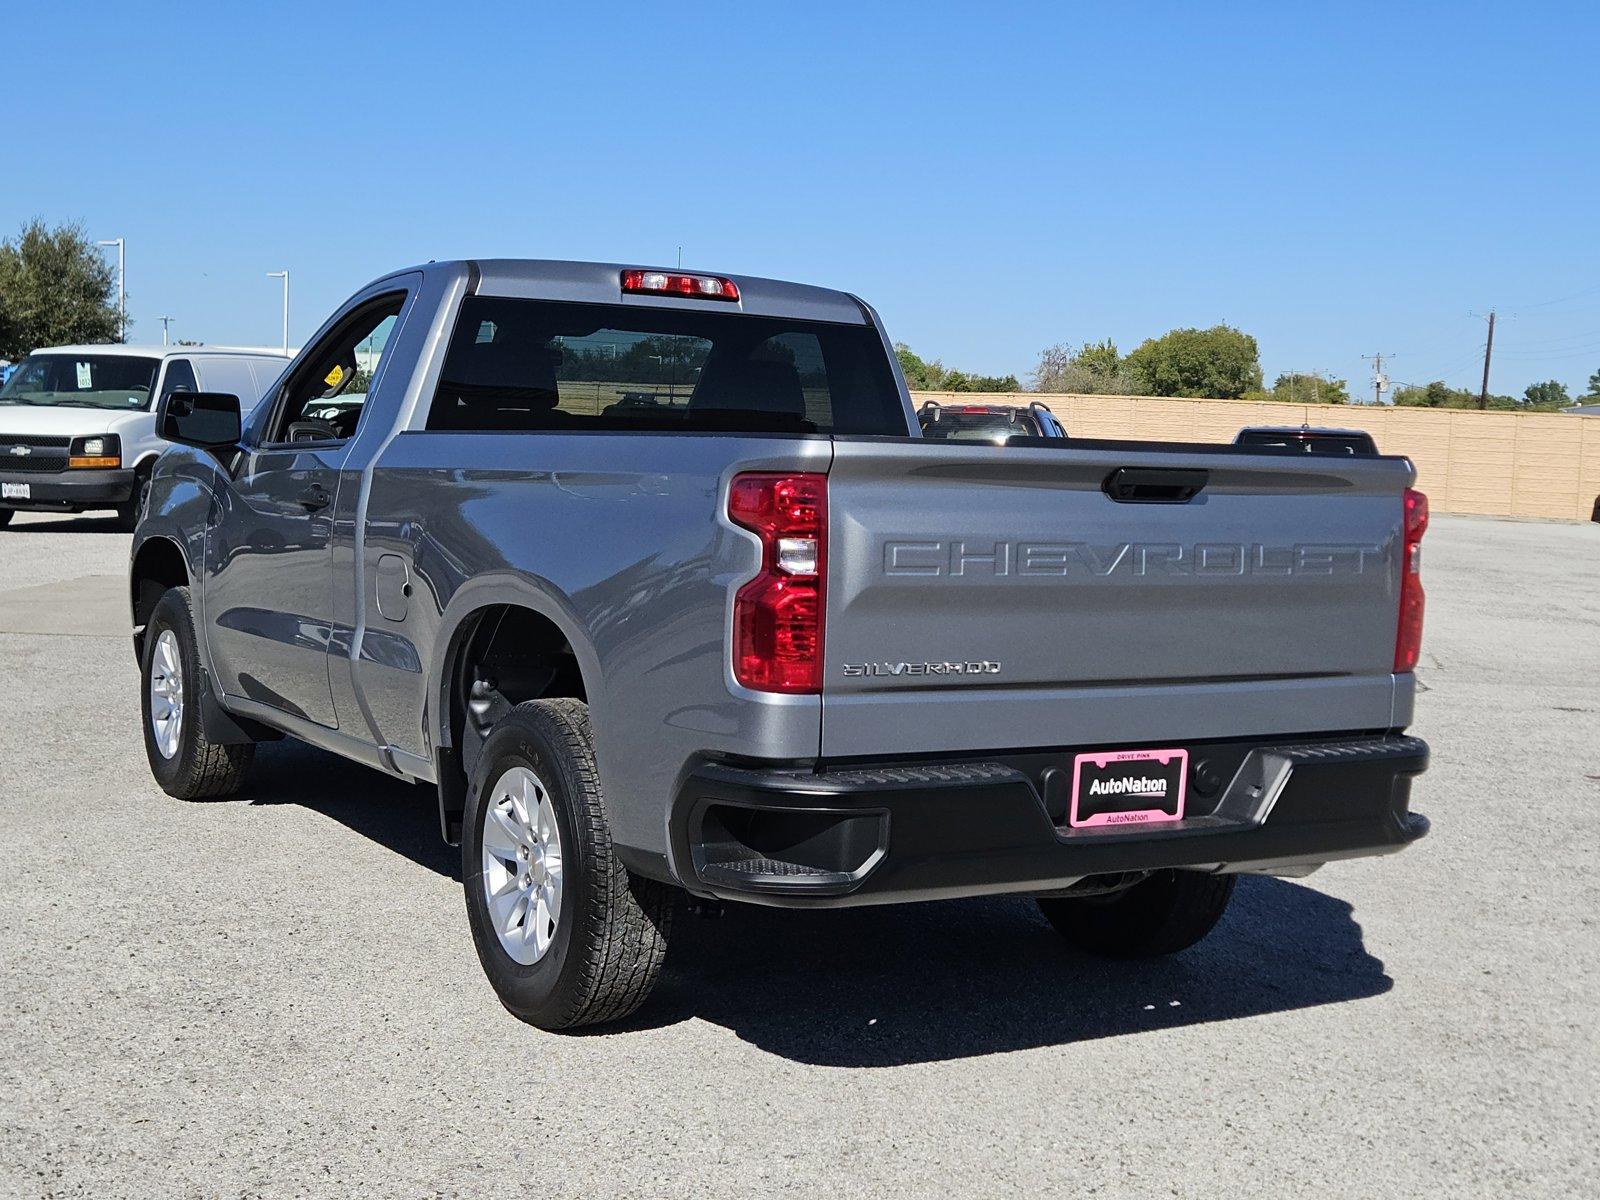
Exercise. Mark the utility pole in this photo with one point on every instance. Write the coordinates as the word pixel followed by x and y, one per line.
pixel 122 285
pixel 1488 351
pixel 165 321
pixel 283 275
pixel 1380 381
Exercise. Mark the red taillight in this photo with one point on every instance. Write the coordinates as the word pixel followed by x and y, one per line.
pixel 675 283
pixel 1408 639
pixel 777 616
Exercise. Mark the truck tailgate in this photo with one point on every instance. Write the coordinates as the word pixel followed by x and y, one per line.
pixel 997 596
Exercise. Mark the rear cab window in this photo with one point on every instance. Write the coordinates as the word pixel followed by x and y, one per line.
pixel 531 365
pixel 1310 441
pixel 977 424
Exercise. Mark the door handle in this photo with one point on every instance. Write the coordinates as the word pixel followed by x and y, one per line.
pixel 315 498
pixel 1154 485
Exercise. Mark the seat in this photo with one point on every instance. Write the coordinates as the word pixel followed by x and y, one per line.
pixel 750 385
pixel 509 383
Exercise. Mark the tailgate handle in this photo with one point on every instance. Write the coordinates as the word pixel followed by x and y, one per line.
pixel 1154 485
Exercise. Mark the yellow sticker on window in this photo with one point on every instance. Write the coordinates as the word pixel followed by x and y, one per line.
pixel 334 377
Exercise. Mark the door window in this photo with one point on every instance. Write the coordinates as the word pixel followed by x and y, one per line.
pixel 322 401
pixel 179 378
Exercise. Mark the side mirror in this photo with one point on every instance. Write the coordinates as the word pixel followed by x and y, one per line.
pixel 206 420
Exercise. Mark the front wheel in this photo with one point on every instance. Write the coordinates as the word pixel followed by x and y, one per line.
pixel 128 514
pixel 1168 912
pixel 184 761
pixel 566 936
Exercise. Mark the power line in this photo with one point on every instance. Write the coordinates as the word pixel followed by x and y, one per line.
pixel 1588 291
pixel 1566 337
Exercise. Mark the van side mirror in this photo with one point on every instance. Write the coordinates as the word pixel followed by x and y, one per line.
pixel 206 420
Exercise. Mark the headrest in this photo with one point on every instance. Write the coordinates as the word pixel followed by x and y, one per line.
pixel 524 368
pixel 751 385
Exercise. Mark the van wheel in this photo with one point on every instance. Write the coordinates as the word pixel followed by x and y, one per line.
pixel 1168 912
pixel 566 936
pixel 184 762
pixel 128 514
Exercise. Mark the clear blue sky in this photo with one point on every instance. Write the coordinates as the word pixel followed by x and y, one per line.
pixel 1336 179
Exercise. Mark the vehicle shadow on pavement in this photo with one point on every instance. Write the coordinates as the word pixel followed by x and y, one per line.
pixel 878 987
pixel 68 523
pixel 403 817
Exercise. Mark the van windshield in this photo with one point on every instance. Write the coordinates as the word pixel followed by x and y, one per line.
pixel 117 381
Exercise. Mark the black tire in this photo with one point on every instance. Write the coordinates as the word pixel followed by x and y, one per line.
pixel 128 514
pixel 199 768
pixel 610 938
pixel 5 516
pixel 1168 912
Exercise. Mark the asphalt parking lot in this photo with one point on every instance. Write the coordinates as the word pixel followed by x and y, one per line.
pixel 277 995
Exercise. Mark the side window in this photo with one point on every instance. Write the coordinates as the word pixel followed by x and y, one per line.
pixel 322 400
pixel 179 378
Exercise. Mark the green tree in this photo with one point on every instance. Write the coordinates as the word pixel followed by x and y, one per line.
pixel 1438 394
pixel 920 374
pixel 1432 395
pixel 1548 394
pixel 1299 388
pixel 1221 362
pixel 55 288
pixel 1094 369
pixel 931 375
pixel 1594 384
pixel 1099 358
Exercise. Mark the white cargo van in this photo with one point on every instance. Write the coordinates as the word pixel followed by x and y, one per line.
pixel 78 424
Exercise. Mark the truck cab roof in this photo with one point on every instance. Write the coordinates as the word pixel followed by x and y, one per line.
pixel 598 283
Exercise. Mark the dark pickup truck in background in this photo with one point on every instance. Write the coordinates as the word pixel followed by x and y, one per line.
pixel 654 576
pixel 1308 439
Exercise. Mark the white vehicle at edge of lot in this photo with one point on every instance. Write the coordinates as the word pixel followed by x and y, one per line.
pixel 78 423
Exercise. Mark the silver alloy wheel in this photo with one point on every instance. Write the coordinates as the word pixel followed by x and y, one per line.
pixel 166 694
pixel 522 865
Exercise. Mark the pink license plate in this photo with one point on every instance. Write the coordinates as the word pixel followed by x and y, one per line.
pixel 1128 787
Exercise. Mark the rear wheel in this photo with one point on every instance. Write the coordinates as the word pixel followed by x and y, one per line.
pixel 566 936
pixel 1168 912
pixel 185 763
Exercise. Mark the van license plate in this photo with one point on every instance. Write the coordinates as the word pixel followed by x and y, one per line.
pixel 16 491
pixel 1128 787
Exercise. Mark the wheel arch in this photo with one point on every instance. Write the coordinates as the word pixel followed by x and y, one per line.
pixel 509 623
pixel 158 564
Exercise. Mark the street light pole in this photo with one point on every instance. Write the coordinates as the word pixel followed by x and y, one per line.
pixel 122 286
pixel 283 275
pixel 165 321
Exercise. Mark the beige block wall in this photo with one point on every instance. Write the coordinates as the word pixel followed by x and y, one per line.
pixel 1505 464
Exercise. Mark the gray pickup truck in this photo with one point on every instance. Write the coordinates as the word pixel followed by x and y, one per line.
pixel 653 576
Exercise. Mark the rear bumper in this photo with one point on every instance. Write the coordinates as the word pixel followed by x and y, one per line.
pixel 68 490
pixel 935 829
